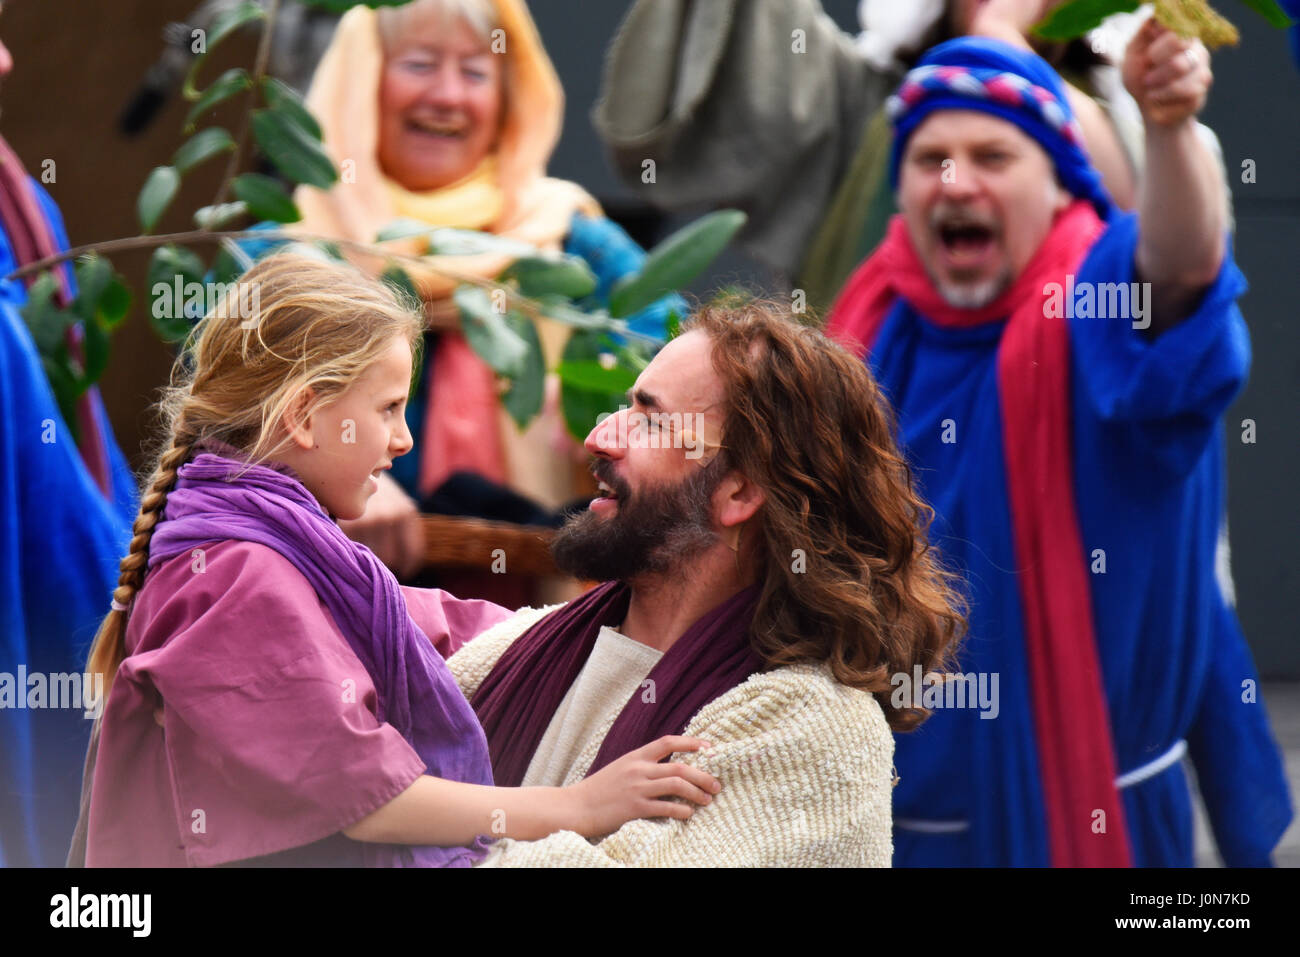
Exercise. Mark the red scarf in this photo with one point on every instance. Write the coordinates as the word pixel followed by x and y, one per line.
pixel 32 239
pixel 1071 720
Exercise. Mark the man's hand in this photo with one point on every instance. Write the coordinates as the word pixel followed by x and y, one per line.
pixel 1168 76
pixel 391 528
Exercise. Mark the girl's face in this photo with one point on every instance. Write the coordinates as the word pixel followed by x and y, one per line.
pixel 340 450
pixel 439 106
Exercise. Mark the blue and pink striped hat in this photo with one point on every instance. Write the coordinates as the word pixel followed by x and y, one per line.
pixel 978 73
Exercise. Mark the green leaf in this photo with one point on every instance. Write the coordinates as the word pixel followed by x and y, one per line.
pixel 566 276
pixel 447 241
pixel 675 261
pixel 202 146
pixel 1077 17
pixel 266 198
pixel 95 348
pixel 223 25
pixel 114 304
pixel 402 229
pixel 230 83
pixel 292 149
pixel 581 407
pixel 65 379
pixel 562 310
pixel 488 333
pixel 157 194
pixel 595 376
pixel 524 399
pixel 215 217
pixel 285 100
pixel 172 272
pixel 231 20
pixel 45 320
pixel 225 267
pixel 1270 11
pixel 674 325
pixel 94 273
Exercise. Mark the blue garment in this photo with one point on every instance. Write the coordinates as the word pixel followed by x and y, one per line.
pixel 612 254
pixel 60 544
pixel 1149 466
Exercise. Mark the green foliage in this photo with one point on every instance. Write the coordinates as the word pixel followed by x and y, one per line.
pixel 231 83
pixel 523 400
pixel 293 150
pixel 202 147
pixel 158 192
pixel 1186 17
pixel 486 330
pixel 265 198
pixel 677 260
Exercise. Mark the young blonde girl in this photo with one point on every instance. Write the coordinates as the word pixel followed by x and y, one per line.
pixel 273 695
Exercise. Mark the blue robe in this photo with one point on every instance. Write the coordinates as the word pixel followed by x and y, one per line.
pixel 1149 467
pixel 60 544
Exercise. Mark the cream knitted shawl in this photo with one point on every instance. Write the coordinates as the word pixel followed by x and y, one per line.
pixel 805 762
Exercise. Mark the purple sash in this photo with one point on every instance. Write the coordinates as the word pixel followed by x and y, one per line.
pixel 519 697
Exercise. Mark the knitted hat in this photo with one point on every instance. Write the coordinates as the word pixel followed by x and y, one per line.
pixel 978 73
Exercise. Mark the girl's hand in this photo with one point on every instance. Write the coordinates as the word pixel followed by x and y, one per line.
pixel 636 786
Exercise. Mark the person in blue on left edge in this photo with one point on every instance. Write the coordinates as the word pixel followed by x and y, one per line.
pixel 446 112
pixel 65 519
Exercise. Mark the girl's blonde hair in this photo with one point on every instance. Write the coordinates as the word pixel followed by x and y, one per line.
pixel 316 324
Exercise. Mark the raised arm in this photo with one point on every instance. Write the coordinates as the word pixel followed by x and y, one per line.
pixel 1182 200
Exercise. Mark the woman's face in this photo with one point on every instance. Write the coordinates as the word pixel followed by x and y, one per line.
pixel 440 104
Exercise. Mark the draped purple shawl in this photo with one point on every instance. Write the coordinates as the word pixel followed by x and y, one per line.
pixel 218 498
pixel 519 697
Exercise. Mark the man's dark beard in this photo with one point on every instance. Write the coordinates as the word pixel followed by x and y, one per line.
pixel 651 533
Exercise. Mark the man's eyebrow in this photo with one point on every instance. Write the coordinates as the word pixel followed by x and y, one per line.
pixel 644 398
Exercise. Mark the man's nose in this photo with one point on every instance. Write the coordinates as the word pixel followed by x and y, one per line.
pixel 603 440
pixel 958 179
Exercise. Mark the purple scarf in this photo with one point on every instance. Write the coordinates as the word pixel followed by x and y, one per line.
pixel 519 697
pixel 218 498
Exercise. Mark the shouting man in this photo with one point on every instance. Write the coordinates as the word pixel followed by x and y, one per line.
pixel 1061 374
pixel 767 574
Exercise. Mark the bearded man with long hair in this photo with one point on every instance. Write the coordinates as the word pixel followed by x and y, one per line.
pixel 766 575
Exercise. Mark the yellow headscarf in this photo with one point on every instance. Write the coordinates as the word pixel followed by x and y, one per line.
pixel 508 194
pixel 533 208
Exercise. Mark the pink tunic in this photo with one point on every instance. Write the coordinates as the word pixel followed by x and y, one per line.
pixel 270 744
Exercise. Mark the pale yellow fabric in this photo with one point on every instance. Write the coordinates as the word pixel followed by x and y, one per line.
pixel 474 202
pixel 533 208
pixel 615 670
pixel 806 766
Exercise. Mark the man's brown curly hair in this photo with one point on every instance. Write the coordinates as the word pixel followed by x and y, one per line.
pixel 847 573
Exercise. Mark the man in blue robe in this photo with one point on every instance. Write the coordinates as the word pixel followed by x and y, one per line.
pixel 1060 373
pixel 63 530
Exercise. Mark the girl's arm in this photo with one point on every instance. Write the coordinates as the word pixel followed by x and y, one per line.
pixel 448 813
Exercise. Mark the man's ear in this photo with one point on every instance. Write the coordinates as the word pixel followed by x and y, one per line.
pixel 297 422
pixel 739 499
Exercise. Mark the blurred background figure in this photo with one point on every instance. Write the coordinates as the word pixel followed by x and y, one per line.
pixel 65 515
pixel 702 93
pixel 446 112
